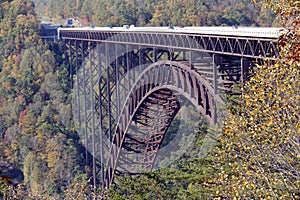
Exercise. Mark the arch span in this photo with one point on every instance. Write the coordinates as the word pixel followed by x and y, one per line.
pixel 149 109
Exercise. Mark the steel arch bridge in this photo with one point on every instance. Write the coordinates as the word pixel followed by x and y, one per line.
pixel 129 84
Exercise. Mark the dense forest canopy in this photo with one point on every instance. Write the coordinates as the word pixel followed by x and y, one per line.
pixel 41 157
pixel 37 148
pixel 158 12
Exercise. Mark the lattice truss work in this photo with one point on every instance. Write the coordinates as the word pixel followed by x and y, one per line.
pixel 149 109
pixel 227 45
pixel 128 88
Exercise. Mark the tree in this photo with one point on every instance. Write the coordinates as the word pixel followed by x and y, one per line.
pixel 260 152
pixel 127 14
pixel 4 182
pixel 34 112
pixel 160 16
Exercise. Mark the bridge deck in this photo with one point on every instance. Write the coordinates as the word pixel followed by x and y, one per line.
pixel 257 32
pixel 255 43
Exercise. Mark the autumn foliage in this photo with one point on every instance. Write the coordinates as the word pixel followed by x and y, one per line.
pixel 260 152
pixel 257 157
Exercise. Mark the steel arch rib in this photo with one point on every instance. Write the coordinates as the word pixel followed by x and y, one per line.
pixel 185 81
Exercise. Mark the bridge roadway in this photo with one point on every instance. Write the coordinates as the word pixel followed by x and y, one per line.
pixel 259 32
pixel 240 41
pixel 129 83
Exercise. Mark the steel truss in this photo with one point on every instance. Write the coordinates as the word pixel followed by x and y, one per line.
pixel 128 87
pixel 246 47
pixel 153 92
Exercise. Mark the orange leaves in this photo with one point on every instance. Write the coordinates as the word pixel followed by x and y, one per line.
pixel 6 85
pixel 5 179
pixel 5 5
pixel 22 114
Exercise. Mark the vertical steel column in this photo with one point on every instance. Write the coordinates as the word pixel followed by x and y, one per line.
pixel 92 103
pixel 133 64
pixel 84 100
pixel 70 64
pixel 215 78
pixel 100 114
pixel 184 55
pixel 170 54
pixel 117 73
pixel 140 59
pixel 78 93
pixel 245 64
pixel 108 78
pixel 128 65
pixel 192 59
pixel 215 74
pixel 154 54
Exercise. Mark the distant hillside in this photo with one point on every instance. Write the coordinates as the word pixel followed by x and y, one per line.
pixel 157 12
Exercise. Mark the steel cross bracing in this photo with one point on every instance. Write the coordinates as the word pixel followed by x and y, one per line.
pixel 248 47
pixel 139 133
pixel 127 88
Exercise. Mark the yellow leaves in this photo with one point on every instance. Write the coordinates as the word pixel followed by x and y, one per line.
pixel 55 117
pixel 248 185
pixel 52 159
pixel 233 178
pixel 262 138
pixel 21 19
pixel 257 136
pixel 40 70
pixel 269 123
pixel 245 183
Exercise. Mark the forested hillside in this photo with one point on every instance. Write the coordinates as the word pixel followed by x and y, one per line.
pixel 159 12
pixel 257 155
pixel 37 148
